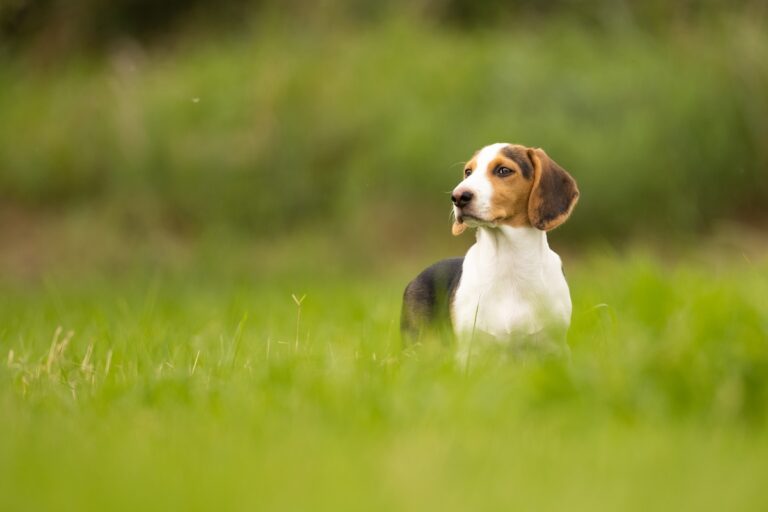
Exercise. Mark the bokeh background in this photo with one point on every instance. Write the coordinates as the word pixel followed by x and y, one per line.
pixel 209 210
pixel 135 126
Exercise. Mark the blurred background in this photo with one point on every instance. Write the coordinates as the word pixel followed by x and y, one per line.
pixel 209 210
pixel 135 130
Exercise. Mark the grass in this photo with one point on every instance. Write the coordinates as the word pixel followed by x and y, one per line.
pixel 141 370
pixel 317 125
pixel 215 388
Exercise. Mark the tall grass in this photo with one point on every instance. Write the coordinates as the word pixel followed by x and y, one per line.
pixel 203 390
pixel 275 129
pixel 144 371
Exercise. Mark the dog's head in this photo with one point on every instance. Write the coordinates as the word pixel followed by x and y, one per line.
pixel 513 185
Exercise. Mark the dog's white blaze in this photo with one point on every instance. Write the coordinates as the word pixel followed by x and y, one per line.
pixel 479 184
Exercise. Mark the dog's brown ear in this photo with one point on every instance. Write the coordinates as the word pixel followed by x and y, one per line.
pixel 553 194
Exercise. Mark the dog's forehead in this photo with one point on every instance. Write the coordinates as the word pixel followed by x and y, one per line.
pixel 485 155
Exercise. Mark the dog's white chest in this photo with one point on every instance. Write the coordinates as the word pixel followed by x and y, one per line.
pixel 510 297
pixel 497 309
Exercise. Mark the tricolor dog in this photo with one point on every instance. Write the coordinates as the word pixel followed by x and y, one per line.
pixel 509 288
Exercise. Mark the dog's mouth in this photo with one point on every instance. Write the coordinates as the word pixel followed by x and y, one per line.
pixel 472 220
pixel 468 218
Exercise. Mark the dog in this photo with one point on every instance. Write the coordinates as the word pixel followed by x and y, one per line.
pixel 509 289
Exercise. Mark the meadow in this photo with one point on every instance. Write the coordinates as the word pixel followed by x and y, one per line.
pixel 273 130
pixel 209 386
pixel 205 234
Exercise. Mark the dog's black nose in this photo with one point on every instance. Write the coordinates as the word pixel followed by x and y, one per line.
pixel 462 199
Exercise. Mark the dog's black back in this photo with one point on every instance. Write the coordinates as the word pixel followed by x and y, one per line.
pixel 427 300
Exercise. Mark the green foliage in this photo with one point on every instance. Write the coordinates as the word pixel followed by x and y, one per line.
pixel 92 25
pixel 278 129
pixel 143 368
pixel 205 389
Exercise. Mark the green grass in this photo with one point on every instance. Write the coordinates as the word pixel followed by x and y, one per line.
pixel 317 125
pixel 201 389
pixel 152 359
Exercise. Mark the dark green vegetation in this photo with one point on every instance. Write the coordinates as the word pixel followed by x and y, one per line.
pixel 277 129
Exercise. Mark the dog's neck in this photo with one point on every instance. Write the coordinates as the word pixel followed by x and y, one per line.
pixel 507 251
pixel 511 285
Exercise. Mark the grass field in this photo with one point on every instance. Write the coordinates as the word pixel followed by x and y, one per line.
pixel 208 213
pixel 207 388
pixel 349 122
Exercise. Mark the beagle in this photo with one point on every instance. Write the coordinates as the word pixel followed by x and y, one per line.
pixel 509 288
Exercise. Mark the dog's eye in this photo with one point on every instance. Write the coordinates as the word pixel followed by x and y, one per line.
pixel 467 172
pixel 503 171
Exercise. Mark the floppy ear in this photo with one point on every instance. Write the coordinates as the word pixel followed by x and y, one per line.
pixel 553 194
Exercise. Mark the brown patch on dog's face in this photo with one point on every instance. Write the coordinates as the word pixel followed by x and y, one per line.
pixel 511 175
pixel 470 165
